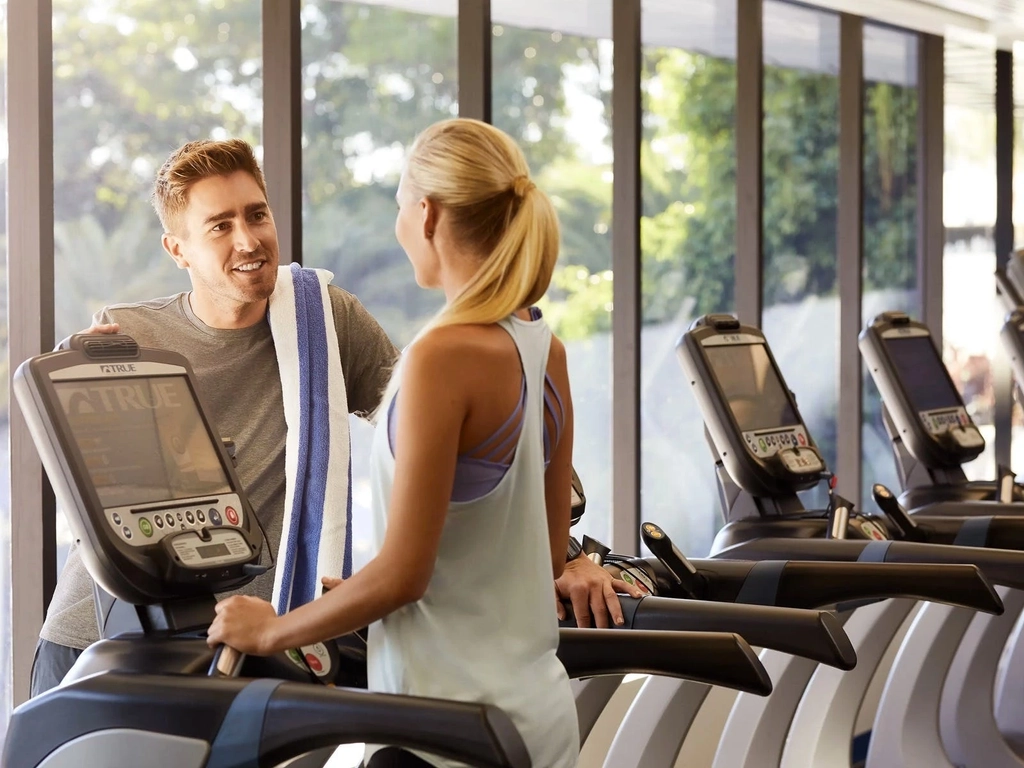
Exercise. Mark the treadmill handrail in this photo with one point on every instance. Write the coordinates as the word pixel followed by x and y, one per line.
pixel 298 718
pixel 953 575
pixel 301 717
pixel 715 658
pixel 811 634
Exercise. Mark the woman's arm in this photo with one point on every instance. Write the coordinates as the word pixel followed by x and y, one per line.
pixel 558 478
pixel 431 411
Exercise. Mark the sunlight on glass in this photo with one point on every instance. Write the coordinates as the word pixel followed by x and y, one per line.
pixel 379 76
pixel 689 100
pixel 801 170
pixel 551 92
pixel 971 317
pixel 890 217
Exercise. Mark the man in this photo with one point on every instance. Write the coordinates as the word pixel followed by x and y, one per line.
pixel 211 200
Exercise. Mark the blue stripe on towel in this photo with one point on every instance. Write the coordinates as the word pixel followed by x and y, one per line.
pixel 346 563
pixel 316 409
pixel 291 549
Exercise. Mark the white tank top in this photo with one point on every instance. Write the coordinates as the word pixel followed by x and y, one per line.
pixel 486 630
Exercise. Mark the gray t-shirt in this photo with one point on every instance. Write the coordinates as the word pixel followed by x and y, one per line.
pixel 240 386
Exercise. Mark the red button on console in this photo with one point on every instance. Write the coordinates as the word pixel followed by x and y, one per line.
pixel 231 515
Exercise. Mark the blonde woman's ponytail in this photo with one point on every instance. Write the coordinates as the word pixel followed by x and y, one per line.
pixel 517 271
pixel 479 177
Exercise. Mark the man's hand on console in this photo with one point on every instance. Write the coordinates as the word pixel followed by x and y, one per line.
pixel 592 592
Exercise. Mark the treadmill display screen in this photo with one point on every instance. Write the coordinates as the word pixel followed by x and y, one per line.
pixel 922 374
pixel 142 439
pixel 213 550
pixel 752 387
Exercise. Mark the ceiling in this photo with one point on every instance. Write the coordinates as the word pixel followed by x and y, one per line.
pixel 800 36
pixel 992 22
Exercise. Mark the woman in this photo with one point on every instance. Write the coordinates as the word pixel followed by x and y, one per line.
pixel 470 464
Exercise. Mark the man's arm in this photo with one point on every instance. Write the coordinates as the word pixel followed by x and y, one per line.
pixel 367 354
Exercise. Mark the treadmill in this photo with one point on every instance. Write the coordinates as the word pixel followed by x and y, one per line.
pixel 811 634
pixel 932 436
pixel 754 734
pixel 764 455
pixel 151 494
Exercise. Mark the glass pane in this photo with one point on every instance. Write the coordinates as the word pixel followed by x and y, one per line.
pixel 552 93
pixel 1017 440
pixel 1018 144
pixel 801 167
pixel 688 241
pixel 6 615
pixel 890 216
pixel 373 77
pixel 971 315
pixel 194 74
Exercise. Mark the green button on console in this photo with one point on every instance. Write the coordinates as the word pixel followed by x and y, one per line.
pixel 146 527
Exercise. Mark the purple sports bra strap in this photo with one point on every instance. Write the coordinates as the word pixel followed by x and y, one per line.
pixel 517 415
pixel 553 405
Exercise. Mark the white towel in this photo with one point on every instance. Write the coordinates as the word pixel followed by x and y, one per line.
pixel 316 537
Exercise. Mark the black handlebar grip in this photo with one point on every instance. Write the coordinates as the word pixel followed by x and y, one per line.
pixel 897 515
pixel 678 566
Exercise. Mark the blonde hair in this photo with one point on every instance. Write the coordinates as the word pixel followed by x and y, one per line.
pixel 478 176
pixel 193 162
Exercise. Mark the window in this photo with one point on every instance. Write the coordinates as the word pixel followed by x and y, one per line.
pixel 1017 440
pixel 688 244
pixel 373 76
pixel 971 315
pixel 1018 144
pixel 195 73
pixel 6 615
pixel 551 92
pixel 890 216
pixel 801 168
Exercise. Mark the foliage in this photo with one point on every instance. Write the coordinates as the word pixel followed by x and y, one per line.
pixel 135 78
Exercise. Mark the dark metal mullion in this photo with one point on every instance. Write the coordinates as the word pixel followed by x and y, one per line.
pixel 1002 379
pixel 849 251
pixel 474 56
pixel 930 163
pixel 749 176
pixel 626 266
pixel 282 121
pixel 30 314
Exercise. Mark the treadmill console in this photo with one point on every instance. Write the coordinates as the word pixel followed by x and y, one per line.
pixel 749 411
pixel 143 477
pixel 918 392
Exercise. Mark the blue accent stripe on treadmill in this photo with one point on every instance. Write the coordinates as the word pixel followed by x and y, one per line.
pixel 237 743
pixel 973 532
pixel 874 552
pixel 859 748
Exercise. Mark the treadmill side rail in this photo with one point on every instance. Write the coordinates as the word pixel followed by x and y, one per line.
pixel 716 658
pixel 300 717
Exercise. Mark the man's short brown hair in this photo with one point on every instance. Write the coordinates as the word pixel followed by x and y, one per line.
pixel 193 162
